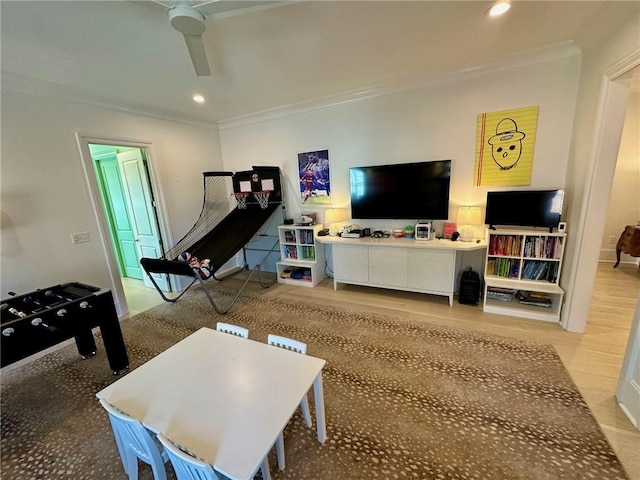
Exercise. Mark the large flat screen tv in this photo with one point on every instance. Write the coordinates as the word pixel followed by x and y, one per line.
pixel 409 191
pixel 524 208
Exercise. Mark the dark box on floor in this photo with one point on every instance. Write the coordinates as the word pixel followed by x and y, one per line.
pixel 469 288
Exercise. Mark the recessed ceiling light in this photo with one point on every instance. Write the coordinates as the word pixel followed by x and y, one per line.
pixel 198 98
pixel 499 7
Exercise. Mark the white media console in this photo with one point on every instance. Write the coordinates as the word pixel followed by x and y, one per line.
pixel 431 266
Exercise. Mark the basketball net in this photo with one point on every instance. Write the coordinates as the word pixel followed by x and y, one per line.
pixel 263 198
pixel 241 199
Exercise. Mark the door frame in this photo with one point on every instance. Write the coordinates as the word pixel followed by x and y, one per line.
pixel 612 106
pixel 83 140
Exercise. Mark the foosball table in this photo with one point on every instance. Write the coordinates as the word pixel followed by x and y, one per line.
pixel 46 317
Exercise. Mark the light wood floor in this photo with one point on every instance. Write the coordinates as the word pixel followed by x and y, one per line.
pixel 593 359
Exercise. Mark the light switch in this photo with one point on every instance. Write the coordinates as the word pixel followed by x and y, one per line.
pixel 80 237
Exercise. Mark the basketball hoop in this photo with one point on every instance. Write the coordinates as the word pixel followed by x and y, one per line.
pixel 263 198
pixel 241 199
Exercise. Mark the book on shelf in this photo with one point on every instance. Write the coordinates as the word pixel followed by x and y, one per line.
pixel 503 267
pixel 535 270
pixel 508 245
pixel 534 298
pixel 543 247
pixel 308 253
pixel 306 237
pixel 502 294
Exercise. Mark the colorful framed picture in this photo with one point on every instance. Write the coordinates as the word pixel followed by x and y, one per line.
pixel 504 147
pixel 315 180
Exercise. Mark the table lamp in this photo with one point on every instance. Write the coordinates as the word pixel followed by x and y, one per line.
pixel 332 219
pixel 468 216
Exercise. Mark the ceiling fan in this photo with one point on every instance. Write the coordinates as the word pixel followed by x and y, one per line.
pixel 186 19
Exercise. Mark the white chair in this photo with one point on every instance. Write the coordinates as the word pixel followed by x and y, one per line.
pixel 189 467
pixel 186 466
pixel 232 329
pixel 298 347
pixel 135 442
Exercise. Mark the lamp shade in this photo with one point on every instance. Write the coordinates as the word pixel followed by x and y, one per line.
pixel 334 215
pixel 468 216
pixel 333 218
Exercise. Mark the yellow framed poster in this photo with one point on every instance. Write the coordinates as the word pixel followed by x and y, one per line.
pixel 504 147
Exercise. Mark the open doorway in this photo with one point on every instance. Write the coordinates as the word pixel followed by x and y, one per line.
pixel 614 97
pixel 125 201
pixel 624 201
pixel 614 202
pixel 614 301
pixel 127 196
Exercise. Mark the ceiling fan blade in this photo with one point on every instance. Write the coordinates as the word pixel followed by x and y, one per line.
pixel 195 45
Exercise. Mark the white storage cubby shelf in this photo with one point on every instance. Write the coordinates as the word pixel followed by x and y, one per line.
pixel 300 254
pixel 522 273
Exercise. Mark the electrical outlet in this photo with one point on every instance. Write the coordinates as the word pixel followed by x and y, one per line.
pixel 80 237
pixel 612 239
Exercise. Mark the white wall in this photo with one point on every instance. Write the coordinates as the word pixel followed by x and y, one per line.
pixel 624 203
pixel 432 122
pixel 44 195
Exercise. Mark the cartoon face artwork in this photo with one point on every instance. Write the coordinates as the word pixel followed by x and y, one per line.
pixel 506 144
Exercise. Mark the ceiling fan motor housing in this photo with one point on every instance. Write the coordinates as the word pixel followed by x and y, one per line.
pixel 186 20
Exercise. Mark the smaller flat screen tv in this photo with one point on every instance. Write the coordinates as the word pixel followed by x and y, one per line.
pixel 407 191
pixel 524 208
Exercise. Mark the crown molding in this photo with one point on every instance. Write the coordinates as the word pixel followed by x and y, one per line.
pixel 414 82
pixel 624 67
pixel 33 86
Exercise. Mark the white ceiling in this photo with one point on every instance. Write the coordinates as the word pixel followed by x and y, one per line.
pixel 278 54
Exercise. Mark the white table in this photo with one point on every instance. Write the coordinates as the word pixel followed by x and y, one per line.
pixel 222 397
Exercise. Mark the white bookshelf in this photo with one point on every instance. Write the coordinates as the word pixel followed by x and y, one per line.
pixel 299 250
pixel 525 261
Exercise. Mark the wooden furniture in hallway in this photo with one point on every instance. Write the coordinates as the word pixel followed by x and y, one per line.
pixel 629 242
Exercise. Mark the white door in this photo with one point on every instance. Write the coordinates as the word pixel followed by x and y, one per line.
pixel 142 211
pixel 118 215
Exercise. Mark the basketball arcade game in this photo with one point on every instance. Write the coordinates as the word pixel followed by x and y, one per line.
pixel 234 209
